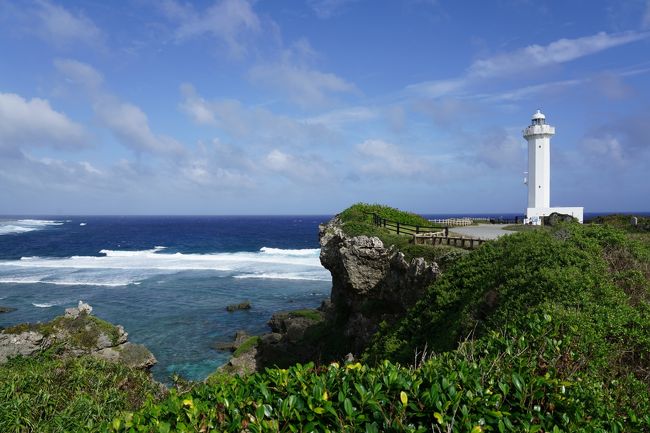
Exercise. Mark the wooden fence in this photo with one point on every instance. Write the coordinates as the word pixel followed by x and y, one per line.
pixel 407 229
pixel 426 235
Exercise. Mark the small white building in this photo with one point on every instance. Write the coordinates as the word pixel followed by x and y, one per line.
pixel 538 135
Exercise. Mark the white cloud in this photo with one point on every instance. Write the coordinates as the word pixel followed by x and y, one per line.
pixel 80 73
pixel 301 169
pixel 305 86
pixel 382 159
pixel 328 8
pixel 231 22
pixel 560 51
pixel 646 15
pixel 604 150
pixel 125 120
pixel 62 27
pixel 345 116
pixel 131 126
pixel 35 123
pixel 256 126
pixel 529 58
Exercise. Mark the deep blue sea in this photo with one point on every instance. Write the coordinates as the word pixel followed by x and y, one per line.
pixel 167 280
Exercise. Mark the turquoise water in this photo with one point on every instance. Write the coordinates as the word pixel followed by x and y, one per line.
pixel 167 280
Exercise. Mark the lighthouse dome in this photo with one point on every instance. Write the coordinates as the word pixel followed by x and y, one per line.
pixel 538 115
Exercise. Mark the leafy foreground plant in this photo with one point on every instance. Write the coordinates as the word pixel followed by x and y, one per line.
pixel 46 394
pixel 517 380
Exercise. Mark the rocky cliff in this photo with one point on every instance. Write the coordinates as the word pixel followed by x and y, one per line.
pixel 370 282
pixel 74 334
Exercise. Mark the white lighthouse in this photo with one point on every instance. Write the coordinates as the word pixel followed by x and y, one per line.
pixel 538 135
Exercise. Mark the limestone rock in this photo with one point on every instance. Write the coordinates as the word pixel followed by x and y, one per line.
pixel 130 354
pixel 82 308
pixel 370 283
pixel 24 343
pixel 77 333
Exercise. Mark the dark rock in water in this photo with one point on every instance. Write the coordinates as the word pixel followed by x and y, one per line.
pixel 245 305
pixel 77 333
pixel 238 339
pixel 6 309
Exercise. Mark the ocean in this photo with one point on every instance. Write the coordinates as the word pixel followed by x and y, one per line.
pixel 167 280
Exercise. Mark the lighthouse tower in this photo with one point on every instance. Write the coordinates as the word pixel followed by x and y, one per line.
pixel 538 134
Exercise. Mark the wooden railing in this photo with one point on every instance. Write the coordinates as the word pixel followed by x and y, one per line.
pixel 426 235
pixel 407 229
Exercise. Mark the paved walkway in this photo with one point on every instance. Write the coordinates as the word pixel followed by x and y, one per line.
pixel 482 231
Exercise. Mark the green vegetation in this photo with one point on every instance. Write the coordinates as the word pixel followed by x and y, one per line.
pixel 247 345
pixel 46 394
pixel 624 222
pixel 357 220
pixel 520 379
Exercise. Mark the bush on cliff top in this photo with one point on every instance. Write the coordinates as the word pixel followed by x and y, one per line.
pixel 357 220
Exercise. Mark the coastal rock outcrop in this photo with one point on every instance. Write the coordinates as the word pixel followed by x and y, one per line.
pixel 370 283
pixel 76 333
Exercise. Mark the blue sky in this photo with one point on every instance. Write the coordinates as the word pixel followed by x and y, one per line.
pixel 284 107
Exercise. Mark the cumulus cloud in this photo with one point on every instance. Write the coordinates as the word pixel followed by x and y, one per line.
pixel 254 125
pixel 230 22
pixel 304 85
pixel 623 141
pixel 131 126
pixel 35 123
pixel 80 74
pixel 128 123
pixel 498 148
pixel 62 27
pixel 298 168
pixel 381 158
pixel 294 76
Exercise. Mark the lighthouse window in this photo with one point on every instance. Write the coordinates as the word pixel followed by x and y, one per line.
pixel 540 146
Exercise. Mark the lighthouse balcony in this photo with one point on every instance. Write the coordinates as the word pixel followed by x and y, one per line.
pixel 539 130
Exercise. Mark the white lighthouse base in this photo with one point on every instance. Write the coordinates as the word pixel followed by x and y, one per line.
pixel 534 215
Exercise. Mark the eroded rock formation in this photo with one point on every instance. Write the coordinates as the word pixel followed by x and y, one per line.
pixel 76 333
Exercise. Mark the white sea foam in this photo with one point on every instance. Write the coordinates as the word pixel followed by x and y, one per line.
pixel 121 268
pixel 46 305
pixel 82 224
pixel 313 276
pixel 9 227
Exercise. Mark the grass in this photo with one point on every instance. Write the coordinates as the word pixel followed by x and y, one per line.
pixel 48 394
pixel 357 220
pixel 247 345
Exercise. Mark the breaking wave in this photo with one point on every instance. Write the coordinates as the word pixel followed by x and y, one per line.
pixel 12 227
pixel 121 267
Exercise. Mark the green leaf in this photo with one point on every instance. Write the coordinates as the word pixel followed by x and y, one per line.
pixel 438 416
pixel 347 405
pixel 164 427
